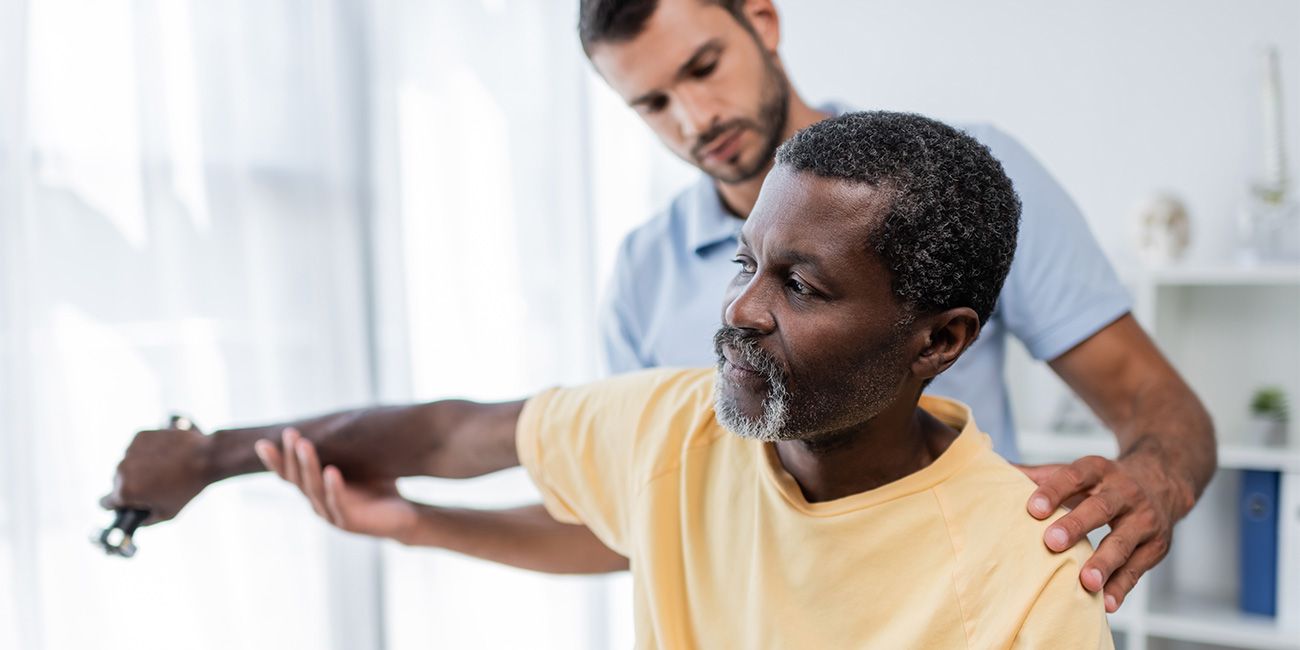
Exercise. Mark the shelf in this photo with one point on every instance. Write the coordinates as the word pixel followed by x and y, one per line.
pixel 1210 621
pixel 1048 446
pixel 1045 446
pixel 1281 459
pixel 1281 274
pixel 1121 621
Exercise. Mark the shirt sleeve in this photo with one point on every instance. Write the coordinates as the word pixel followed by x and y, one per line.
pixel 1061 288
pixel 588 448
pixel 1065 616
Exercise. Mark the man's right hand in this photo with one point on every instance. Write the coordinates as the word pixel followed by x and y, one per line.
pixel 525 537
pixel 373 507
pixel 161 472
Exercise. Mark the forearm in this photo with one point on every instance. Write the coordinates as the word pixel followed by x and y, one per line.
pixel 525 537
pixel 450 439
pixel 1161 426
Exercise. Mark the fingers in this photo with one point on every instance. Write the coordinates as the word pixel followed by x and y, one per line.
pixel 1092 513
pixel 1112 553
pixel 270 457
pixel 1065 483
pixel 334 487
pixel 299 464
pixel 288 439
pixel 1132 540
pixel 309 476
pixel 115 500
pixel 1122 581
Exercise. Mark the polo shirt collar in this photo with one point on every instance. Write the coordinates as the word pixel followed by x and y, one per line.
pixel 708 221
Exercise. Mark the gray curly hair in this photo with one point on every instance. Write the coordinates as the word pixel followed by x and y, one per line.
pixel 950 232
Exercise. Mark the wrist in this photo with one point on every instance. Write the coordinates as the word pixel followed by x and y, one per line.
pixel 423 528
pixel 205 461
pixel 227 453
pixel 1158 474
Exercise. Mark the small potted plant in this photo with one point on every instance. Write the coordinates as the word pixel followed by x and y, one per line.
pixel 1268 416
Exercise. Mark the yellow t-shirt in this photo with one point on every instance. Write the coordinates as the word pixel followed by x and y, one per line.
pixel 726 553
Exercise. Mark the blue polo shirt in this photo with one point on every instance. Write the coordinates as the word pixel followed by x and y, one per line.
pixel 665 300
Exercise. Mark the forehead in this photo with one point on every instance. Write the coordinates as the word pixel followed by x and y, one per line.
pixel 672 35
pixel 805 213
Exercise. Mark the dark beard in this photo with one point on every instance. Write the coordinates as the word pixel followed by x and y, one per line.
pixel 773 116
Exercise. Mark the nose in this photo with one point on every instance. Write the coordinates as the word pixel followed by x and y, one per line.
pixel 694 114
pixel 748 306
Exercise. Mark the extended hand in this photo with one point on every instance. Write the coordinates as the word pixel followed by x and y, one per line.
pixel 372 507
pixel 1137 500
pixel 162 471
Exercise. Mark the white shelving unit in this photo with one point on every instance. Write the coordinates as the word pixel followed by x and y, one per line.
pixel 1229 331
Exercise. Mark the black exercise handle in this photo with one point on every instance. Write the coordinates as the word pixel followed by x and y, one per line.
pixel 129 519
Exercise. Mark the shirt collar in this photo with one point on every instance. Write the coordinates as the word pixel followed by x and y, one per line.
pixel 708 221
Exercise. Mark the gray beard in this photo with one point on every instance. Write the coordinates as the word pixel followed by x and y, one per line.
pixel 816 413
pixel 770 426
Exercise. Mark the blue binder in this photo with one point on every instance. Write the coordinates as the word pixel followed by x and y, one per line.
pixel 1259 494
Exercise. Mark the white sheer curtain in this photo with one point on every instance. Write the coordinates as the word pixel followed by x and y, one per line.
pixel 181 228
pixel 250 210
pixel 487 171
pixel 513 173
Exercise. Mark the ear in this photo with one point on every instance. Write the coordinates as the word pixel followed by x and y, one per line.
pixel 762 17
pixel 949 333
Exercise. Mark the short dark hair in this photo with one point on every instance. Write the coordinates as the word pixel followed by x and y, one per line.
pixel 622 20
pixel 949 233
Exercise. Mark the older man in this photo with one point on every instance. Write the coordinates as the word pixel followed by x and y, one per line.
pixel 803 493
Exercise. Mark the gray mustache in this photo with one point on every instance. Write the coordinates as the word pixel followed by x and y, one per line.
pixel 746 345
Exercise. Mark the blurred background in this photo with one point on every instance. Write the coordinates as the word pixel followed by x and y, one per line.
pixel 251 210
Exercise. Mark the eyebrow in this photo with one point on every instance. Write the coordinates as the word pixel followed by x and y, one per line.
pixel 795 257
pixel 709 47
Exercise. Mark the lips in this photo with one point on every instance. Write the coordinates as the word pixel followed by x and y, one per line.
pixel 730 355
pixel 743 362
pixel 726 146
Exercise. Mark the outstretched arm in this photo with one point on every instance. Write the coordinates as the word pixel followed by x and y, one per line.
pixel 1167 456
pixel 525 537
pixel 164 469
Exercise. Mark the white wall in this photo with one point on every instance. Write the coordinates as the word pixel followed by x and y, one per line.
pixel 1119 99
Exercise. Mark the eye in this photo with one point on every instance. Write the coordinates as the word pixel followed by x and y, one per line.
pixel 705 70
pixel 655 104
pixel 799 287
pixel 746 266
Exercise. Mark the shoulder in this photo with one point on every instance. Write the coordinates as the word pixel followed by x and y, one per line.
pixel 1011 152
pixel 676 414
pixel 1041 195
pixel 1002 564
pixel 657 391
pixel 659 408
pixel 988 495
pixel 1061 288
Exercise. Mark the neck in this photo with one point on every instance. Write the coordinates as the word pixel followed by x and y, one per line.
pixel 894 444
pixel 740 197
